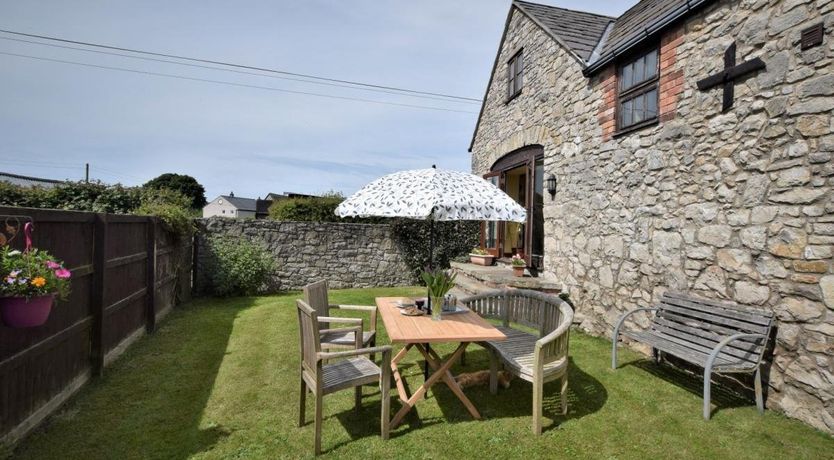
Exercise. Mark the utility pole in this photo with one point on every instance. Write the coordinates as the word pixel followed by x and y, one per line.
pixel 87 172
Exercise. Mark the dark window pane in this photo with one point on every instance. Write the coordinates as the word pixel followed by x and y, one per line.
pixel 638 109
pixel 651 104
pixel 651 64
pixel 627 77
pixel 638 71
pixel 626 119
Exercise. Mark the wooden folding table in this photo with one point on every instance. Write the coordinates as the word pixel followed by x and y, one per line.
pixel 416 332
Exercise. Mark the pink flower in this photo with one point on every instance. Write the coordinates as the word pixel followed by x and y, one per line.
pixel 63 273
pixel 52 265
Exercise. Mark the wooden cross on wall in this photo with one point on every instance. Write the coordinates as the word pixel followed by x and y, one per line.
pixel 730 74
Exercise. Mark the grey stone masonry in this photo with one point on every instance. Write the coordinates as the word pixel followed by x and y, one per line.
pixel 736 205
pixel 347 255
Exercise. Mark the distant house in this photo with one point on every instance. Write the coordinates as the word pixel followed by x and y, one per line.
pixel 28 181
pixel 252 208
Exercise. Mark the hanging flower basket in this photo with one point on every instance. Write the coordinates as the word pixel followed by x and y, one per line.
pixel 20 312
pixel 30 280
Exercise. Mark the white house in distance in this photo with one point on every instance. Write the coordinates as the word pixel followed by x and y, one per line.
pixel 245 208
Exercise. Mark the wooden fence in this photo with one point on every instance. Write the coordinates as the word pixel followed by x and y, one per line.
pixel 127 272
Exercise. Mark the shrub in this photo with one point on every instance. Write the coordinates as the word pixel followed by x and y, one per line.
pixel 312 209
pixel 451 240
pixel 182 183
pixel 237 266
pixel 172 208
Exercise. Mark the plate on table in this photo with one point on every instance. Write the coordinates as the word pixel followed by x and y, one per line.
pixel 412 311
pixel 404 303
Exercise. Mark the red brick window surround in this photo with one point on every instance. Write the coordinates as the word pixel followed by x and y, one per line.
pixel 668 84
pixel 637 90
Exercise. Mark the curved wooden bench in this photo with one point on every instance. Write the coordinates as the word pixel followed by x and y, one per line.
pixel 536 358
pixel 717 335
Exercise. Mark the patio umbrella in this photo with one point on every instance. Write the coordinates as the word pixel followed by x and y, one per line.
pixel 433 194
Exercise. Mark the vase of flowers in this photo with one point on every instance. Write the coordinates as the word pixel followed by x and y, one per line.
pixel 30 281
pixel 519 264
pixel 479 256
pixel 438 282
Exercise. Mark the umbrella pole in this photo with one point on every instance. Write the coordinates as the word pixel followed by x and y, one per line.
pixel 428 299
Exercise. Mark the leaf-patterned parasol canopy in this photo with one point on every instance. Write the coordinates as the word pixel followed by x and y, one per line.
pixel 432 194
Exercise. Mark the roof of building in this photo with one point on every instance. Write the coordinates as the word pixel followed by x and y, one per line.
pixel 243 204
pixel 28 181
pixel 577 30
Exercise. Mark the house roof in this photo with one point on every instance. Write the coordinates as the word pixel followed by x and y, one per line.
pixel 243 204
pixel 28 181
pixel 578 31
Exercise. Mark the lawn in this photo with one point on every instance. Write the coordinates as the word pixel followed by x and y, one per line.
pixel 219 380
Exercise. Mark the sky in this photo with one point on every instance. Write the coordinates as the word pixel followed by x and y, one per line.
pixel 258 138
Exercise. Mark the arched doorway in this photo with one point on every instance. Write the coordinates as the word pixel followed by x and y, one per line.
pixel 521 175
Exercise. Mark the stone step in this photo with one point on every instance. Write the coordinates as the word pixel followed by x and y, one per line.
pixel 468 286
pixel 500 277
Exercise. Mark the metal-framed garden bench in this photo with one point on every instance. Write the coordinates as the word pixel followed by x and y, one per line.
pixel 535 357
pixel 720 336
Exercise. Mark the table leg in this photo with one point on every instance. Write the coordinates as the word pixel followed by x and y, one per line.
pixel 433 358
pixel 421 391
pixel 395 372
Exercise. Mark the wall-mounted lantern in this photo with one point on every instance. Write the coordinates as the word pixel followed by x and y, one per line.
pixel 551 185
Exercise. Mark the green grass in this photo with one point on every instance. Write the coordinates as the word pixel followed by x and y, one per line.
pixel 219 380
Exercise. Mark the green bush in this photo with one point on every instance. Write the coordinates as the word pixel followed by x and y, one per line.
pixel 451 240
pixel 172 208
pixel 182 183
pixel 237 267
pixel 313 209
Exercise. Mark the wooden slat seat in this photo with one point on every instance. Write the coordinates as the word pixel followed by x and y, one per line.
pixel 517 353
pixel 341 339
pixel 349 373
pixel 717 335
pixel 536 358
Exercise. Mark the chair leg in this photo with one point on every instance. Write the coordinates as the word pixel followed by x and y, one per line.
pixel 462 359
pixel 319 398
pixel 302 403
pixel 564 395
pixel 656 355
pixel 373 344
pixel 614 349
pixel 493 373
pixel 386 399
pixel 758 385
pixel 707 407
pixel 538 387
pixel 357 399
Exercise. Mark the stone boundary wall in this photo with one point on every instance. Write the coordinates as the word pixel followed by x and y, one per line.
pixel 347 255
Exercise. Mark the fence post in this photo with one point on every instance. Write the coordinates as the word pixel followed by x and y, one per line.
pixel 150 276
pixel 97 351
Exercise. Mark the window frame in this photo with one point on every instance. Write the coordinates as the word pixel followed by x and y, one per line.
pixel 515 74
pixel 636 90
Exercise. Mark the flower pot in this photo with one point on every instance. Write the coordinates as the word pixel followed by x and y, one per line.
pixel 518 271
pixel 19 312
pixel 479 259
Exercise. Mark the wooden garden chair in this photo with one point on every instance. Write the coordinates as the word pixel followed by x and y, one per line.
pixel 315 295
pixel 351 369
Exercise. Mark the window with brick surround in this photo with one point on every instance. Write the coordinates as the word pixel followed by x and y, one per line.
pixel 637 91
pixel 515 71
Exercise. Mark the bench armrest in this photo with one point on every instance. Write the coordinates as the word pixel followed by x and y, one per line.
pixel 385 350
pixel 715 351
pixel 545 348
pixel 623 318
pixel 368 308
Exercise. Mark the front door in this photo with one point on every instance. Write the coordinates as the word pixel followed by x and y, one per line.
pixel 520 174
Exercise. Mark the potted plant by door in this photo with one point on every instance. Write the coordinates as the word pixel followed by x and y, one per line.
pixel 438 282
pixel 479 256
pixel 519 264
pixel 29 283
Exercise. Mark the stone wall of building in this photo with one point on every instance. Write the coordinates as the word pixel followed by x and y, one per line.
pixel 347 255
pixel 733 205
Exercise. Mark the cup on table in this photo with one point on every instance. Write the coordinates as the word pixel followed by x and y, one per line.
pixel 420 303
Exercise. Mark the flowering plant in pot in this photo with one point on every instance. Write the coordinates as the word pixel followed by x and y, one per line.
pixel 29 283
pixel 439 282
pixel 519 264
pixel 479 256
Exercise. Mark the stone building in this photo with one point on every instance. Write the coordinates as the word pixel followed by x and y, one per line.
pixel 660 186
